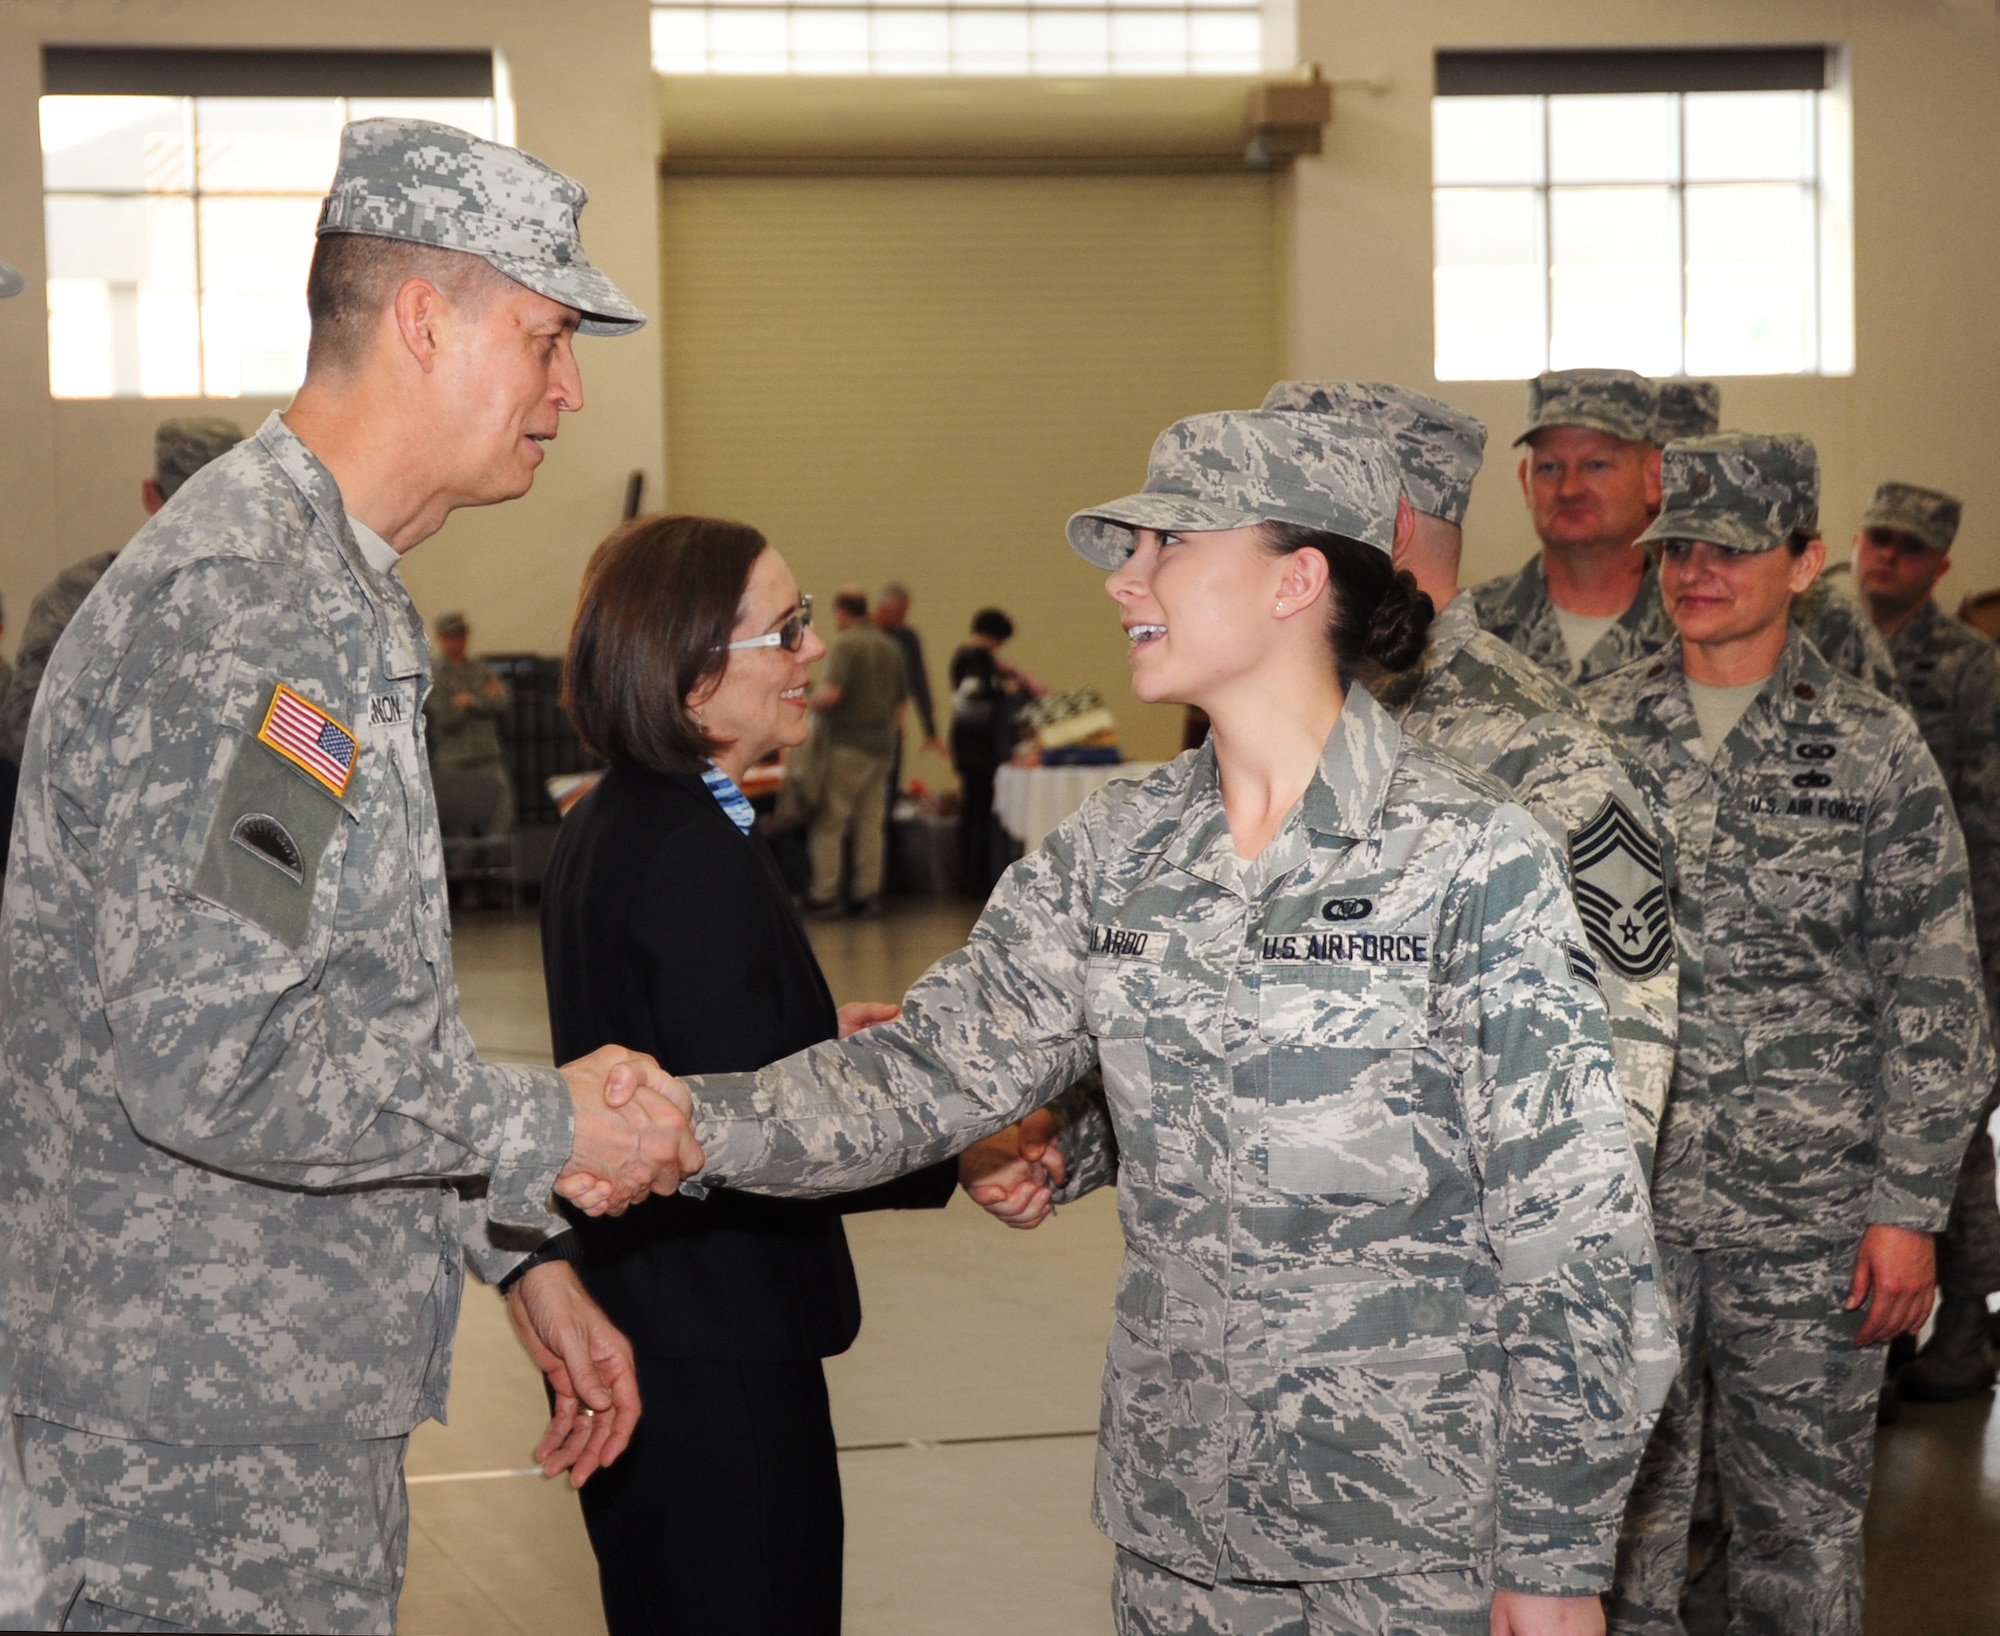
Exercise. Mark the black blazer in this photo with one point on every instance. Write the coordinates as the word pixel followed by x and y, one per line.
pixel 666 929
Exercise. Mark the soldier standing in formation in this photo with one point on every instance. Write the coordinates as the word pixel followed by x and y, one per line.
pixel 1833 1048
pixel 1474 696
pixel 1338 991
pixel 462 717
pixel 242 1110
pixel 1951 675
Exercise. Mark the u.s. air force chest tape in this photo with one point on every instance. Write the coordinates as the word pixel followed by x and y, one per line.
pixel 277 812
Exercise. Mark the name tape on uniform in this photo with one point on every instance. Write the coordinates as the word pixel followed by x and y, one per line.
pixel 1352 948
pixel 309 739
pixel 1126 943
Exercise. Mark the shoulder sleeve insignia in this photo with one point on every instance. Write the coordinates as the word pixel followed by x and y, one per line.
pixel 1621 894
pixel 309 739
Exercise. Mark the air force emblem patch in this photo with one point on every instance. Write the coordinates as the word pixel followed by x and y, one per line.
pixel 1621 894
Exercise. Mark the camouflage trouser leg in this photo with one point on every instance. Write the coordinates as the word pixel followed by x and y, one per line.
pixel 1795 1444
pixel 1148 1600
pixel 1969 1256
pixel 163 1536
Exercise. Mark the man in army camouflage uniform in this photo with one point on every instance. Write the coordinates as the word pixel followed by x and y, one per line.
pixel 181 447
pixel 462 728
pixel 22 1578
pixel 1355 1377
pixel 247 1145
pixel 1590 603
pixel 1493 709
pixel 1952 677
pixel 1833 1048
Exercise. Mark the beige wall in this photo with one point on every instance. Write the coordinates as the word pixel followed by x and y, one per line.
pixel 584 101
pixel 1924 401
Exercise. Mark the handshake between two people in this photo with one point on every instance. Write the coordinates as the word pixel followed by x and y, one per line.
pixel 634 1132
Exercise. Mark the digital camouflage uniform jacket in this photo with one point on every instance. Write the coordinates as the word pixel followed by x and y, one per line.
pixel 1494 709
pixel 49 615
pixel 1834 1045
pixel 1516 608
pixel 23 1583
pixel 1388 1302
pixel 1951 675
pixel 239 1095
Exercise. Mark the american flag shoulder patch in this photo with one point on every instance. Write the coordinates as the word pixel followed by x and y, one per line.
pixel 309 739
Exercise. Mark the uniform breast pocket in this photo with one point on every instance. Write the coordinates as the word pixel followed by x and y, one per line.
pixel 1118 996
pixel 1808 884
pixel 1340 1081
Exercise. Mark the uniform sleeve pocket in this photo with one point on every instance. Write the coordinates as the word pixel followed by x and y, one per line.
pixel 1597 1311
pixel 266 844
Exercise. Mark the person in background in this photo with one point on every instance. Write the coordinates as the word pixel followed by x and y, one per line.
pixel 892 618
pixel 666 923
pixel 860 703
pixel 984 698
pixel 1833 1049
pixel 1952 677
pixel 1687 408
pixel 1385 1330
pixel 462 715
pixel 23 1575
pixel 181 447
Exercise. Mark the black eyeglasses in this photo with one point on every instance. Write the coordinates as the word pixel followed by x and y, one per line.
pixel 787 636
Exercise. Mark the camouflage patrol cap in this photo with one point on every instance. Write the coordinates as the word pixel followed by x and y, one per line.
pixel 1740 489
pixel 1439 448
pixel 1613 401
pixel 434 184
pixel 182 447
pixel 11 281
pixel 452 624
pixel 1687 409
pixel 1241 466
pixel 1929 515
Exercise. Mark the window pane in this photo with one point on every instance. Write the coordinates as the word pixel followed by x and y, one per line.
pixel 1613 139
pixel 1486 139
pixel 742 41
pixel 254 254
pixel 1750 280
pixel 1228 42
pixel 1072 42
pixel 474 114
pixel 135 144
pixel 1749 135
pixel 990 42
pixel 121 296
pixel 680 40
pixel 830 42
pixel 266 144
pixel 1149 42
pixel 1614 284
pixel 912 42
pixel 1489 292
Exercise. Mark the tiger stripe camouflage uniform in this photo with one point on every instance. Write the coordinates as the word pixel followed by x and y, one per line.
pixel 241 1102
pixel 1476 697
pixel 1951 675
pixel 1833 1050
pixel 1387 1307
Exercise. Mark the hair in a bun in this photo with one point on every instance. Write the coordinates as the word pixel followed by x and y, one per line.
pixel 1380 622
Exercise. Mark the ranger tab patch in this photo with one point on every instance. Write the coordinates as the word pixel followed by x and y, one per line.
pixel 1621 894
pixel 309 739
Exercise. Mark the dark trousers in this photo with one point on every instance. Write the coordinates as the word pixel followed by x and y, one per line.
pixel 976 873
pixel 723 1518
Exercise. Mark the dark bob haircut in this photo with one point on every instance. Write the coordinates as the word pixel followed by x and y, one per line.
pixel 659 600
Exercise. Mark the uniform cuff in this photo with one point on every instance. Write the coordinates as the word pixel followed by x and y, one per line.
pixel 535 1142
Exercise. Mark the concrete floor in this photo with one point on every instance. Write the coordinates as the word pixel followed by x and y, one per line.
pixel 966 1410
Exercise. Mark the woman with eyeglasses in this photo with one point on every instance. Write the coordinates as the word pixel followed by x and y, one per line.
pixel 666 922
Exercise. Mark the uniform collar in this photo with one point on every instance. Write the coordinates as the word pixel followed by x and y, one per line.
pixel 404 652
pixel 1918 632
pixel 1454 626
pixel 1344 800
pixel 1793 698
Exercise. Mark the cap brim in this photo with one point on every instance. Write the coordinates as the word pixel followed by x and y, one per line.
pixel 12 281
pixel 1733 532
pixel 1871 518
pixel 1590 423
pixel 603 306
pixel 1103 534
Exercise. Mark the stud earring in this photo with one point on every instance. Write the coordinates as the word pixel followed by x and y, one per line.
pixel 1280 607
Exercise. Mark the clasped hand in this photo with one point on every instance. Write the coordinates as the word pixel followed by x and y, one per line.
pixel 634 1132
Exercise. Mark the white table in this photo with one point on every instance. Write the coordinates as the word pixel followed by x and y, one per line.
pixel 1031 801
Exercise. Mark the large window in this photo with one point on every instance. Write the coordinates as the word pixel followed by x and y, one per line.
pixel 926 37
pixel 1697 231
pixel 180 228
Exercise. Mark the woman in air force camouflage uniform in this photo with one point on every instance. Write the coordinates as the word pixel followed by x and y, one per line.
pixel 1387 1340
pixel 1833 1045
